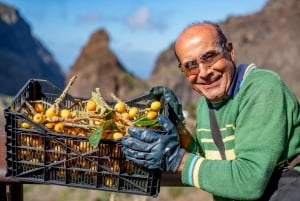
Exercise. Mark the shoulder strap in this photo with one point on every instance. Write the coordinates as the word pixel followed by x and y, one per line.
pixel 242 70
pixel 215 130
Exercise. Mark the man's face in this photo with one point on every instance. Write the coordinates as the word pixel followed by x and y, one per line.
pixel 208 66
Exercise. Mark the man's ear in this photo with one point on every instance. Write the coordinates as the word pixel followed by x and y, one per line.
pixel 229 48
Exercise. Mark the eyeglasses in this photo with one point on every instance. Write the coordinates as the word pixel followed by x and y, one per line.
pixel 208 59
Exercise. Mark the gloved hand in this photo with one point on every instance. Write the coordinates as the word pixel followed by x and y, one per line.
pixel 152 149
pixel 169 97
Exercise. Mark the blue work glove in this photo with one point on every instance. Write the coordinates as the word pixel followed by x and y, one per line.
pixel 154 150
pixel 169 97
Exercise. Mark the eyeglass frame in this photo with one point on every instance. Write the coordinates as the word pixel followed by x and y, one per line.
pixel 195 63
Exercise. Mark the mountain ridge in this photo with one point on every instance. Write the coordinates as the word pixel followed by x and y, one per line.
pixel 22 55
pixel 268 38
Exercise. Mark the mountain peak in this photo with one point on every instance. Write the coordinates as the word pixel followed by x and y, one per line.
pixel 98 67
pixel 22 55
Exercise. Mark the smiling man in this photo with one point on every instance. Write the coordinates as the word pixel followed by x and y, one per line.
pixel 206 59
pixel 247 141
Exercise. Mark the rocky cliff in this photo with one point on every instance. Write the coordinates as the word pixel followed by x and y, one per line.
pixel 22 56
pixel 269 38
pixel 98 67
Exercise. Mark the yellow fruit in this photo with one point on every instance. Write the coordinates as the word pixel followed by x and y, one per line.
pixel 74 114
pixel 38 118
pixel 98 122
pixel 120 106
pixel 50 112
pixel 81 134
pixel 151 115
pixel 133 112
pixel 91 105
pixel 25 125
pixel 39 107
pixel 59 127
pixel 73 131
pixel 49 125
pixel 115 136
pixel 155 105
pixel 65 113
pixel 126 115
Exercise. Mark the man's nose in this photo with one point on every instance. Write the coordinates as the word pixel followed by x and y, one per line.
pixel 203 69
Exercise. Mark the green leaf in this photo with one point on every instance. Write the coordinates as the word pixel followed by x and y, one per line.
pixel 108 123
pixel 141 118
pixel 143 121
pixel 99 106
pixel 95 138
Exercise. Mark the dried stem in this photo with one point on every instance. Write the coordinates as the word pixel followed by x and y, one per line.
pixel 77 119
pixel 29 106
pixel 102 99
pixel 124 120
pixel 64 93
pixel 82 126
pixel 116 98
pixel 76 102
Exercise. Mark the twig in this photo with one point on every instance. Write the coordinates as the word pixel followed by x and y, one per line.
pixel 124 120
pixel 102 99
pixel 31 109
pixel 118 99
pixel 64 93
pixel 70 120
pixel 82 126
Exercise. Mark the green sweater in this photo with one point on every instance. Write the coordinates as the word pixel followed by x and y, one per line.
pixel 260 127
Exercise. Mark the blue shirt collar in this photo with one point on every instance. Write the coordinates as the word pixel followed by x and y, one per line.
pixel 235 84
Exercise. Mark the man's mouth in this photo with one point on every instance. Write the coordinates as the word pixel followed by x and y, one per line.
pixel 212 83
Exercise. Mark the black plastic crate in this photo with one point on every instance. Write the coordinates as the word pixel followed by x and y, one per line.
pixel 39 155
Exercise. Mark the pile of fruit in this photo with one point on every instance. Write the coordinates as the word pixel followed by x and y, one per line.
pixel 92 117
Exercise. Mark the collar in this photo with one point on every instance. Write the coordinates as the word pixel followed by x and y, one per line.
pixel 237 80
pixel 239 74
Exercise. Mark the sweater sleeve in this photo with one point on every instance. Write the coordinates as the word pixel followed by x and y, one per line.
pixel 260 136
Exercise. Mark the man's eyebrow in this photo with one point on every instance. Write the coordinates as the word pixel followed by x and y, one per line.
pixel 208 52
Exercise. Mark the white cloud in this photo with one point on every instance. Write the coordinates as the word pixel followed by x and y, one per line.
pixel 140 18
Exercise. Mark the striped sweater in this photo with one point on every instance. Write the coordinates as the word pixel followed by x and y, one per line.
pixel 260 126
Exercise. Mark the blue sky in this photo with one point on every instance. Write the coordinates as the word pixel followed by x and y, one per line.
pixel 139 30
